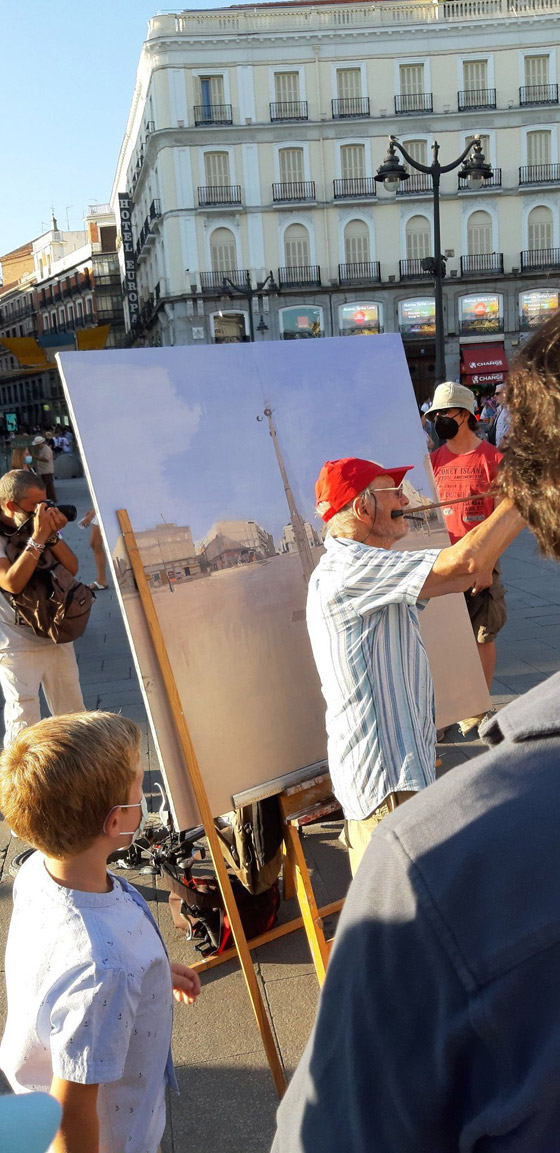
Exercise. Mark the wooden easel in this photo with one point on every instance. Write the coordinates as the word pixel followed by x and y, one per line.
pixel 298 805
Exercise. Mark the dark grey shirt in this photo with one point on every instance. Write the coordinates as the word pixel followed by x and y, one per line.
pixel 439 1025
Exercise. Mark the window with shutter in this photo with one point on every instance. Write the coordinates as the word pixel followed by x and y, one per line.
pixel 348 83
pixel 286 87
pixel 538 147
pixel 211 90
pixel 296 246
pixel 540 228
pixel 536 70
pixel 479 234
pixel 222 250
pixel 418 149
pixel 290 162
pixel 356 242
pixel 216 167
pixel 475 75
pixel 418 239
pixel 352 161
pixel 411 78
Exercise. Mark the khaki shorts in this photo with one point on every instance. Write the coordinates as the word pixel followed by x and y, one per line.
pixel 487 610
pixel 356 835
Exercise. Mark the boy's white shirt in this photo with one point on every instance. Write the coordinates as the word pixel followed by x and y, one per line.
pixel 90 1000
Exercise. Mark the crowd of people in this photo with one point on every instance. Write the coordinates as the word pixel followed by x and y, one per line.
pixel 436 1028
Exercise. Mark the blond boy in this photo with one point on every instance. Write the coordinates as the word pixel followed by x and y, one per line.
pixel 89 981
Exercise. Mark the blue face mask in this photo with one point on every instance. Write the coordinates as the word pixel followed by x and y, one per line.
pixel 28 459
pixel 142 804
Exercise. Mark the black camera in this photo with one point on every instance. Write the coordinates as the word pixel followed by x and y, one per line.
pixel 68 510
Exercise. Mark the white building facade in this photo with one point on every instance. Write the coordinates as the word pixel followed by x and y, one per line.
pixel 253 140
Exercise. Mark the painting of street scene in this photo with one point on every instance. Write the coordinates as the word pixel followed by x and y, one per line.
pixel 214 453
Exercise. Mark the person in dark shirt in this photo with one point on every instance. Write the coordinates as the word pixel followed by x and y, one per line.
pixel 437 1029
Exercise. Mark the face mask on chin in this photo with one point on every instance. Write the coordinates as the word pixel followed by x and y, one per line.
pixel 446 427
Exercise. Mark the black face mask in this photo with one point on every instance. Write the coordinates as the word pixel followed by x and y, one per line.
pixel 446 427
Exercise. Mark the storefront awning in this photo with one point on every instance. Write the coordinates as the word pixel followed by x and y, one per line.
pixel 483 364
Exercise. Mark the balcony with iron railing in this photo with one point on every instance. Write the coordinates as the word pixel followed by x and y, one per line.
pixel 350 108
pixel 495 181
pixel 412 270
pixel 539 174
pixel 364 272
pixel 533 94
pixel 302 276
pixel 293 190
pixel 483 264
pixel 406 105
pixel 476 99
pixel 210 195
pixel 540 259
pixel 354 188
pixel 417 183
pixel 214 281
pixel 213 114
pixel 288 110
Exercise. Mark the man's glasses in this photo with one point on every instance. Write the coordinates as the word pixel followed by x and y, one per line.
pixel 376 491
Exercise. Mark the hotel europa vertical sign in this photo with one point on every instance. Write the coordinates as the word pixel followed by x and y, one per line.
pixel 125 209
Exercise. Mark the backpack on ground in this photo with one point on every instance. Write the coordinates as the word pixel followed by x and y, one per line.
pixel 53 604
pixel 252 843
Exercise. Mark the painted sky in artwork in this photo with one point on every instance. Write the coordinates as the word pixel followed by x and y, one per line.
pixel 171 434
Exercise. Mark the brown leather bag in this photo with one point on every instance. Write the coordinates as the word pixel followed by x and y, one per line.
pixel 53 604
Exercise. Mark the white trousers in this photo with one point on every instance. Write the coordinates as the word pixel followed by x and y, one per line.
pixel 21 676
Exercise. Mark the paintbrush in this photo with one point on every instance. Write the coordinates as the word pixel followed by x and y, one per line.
pixel 438 504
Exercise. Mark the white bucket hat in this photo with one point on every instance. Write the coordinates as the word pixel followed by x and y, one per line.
pixel 451 395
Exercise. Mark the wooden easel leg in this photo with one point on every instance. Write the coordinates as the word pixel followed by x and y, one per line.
pixel 309 911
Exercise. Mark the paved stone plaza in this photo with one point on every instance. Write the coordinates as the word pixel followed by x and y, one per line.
pixel 227 1097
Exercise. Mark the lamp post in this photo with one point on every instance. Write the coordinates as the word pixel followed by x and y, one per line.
pixel 267 286
pixel 475 169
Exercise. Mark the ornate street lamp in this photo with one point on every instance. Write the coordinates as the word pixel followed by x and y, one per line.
pixel 475 170
pixel 267 287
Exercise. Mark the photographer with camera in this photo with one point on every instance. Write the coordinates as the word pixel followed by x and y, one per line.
pixel 29 527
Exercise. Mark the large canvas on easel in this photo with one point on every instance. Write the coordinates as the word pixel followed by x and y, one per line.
pixel 178 438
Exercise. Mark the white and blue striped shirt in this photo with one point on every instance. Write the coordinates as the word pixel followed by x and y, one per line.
pixel 362 617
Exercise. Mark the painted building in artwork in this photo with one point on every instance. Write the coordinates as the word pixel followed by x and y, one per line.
pixel 168 554
pixel 234 542
pixel 252 145
pixel 288 541
pixel 60 291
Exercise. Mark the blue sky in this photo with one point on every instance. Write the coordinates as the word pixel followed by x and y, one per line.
pixel 66 79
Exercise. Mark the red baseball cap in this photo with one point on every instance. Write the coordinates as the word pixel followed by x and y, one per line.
pixel 339 481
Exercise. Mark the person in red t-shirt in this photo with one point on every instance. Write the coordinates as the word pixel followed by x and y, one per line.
pixel 466 466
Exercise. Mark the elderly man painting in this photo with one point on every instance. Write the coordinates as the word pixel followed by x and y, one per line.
pixel 362 616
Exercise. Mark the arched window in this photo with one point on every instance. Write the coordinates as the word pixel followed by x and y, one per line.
pixel 296 246
pixel 216 168
pixel 540 228
pixel 222 250
pixel 479 234
pixel 356 242
pixel 418 239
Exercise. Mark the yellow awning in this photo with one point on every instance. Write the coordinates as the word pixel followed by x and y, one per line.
pixel 89 338
pixel 26 350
